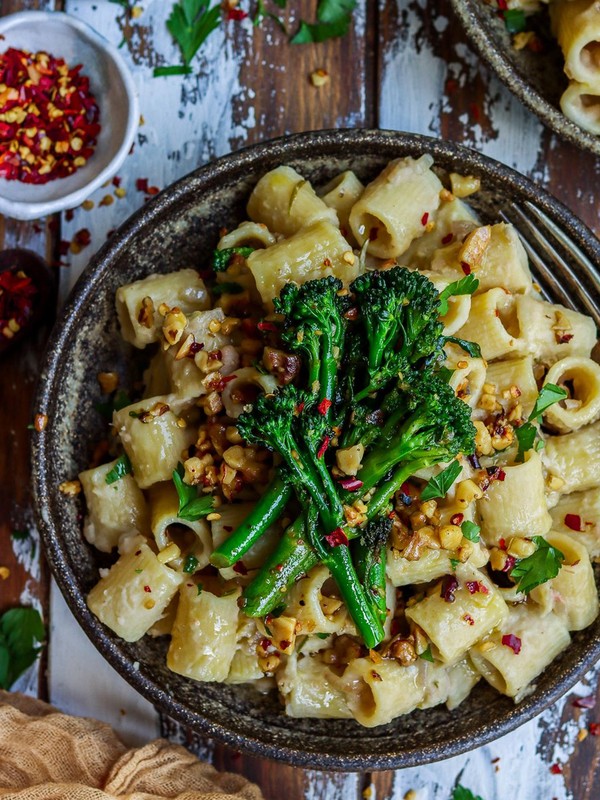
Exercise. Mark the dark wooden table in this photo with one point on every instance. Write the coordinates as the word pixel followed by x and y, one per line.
pixel 405 66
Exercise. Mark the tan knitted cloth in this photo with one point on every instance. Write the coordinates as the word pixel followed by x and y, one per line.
pixel 47 755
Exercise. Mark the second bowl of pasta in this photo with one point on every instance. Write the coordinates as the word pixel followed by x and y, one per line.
pixel 320 471
pixel 546 54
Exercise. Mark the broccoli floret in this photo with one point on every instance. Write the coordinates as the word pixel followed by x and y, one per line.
pixel 399 311
pixel 315 326
pixel 428 424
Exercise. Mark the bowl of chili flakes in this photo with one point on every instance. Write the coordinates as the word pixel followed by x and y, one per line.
pixel 68 113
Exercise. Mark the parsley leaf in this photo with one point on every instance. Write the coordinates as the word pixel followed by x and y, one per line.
pixel 454 562
pixel 460 793
pixel 118 401
pixel 438 486
pixel 514 20
pixel 472 348
pixel 539 567
pixel 190 564
pixel 526 434
pixel 470 530
pixel 21 629
pixel 191 507
pixel 525 437
pixel 121 468
pixel 221 258
pixel 333 20
pixel 190 23
pixel 549 395
pixel 466 285
pixel 427 655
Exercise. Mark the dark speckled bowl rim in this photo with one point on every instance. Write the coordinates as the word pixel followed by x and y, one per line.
pixel 471 13
pixel 388 144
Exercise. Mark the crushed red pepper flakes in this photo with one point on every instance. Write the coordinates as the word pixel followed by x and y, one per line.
pixel 556 769
pixel 351 484
pixel 594 728
pixel 466 268
pixel 49 119
pixel 323 447
pixel 336 538
pixel 447 238
pixel 512 641
pixel 81 239
pixel 448 589
pixel 240 568
pixel 425 218
pixel 324 406
pixel 573 521
pixel 236 14
pixel 17 293
pixel 584 702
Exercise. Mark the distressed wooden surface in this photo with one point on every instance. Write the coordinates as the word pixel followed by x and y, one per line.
pixel 405 66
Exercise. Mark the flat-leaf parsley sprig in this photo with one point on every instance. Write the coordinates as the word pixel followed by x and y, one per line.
pixel 192 507
pixel 21 634
pixel 190 24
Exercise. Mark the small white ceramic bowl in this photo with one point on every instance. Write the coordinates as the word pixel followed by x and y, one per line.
pixel 111 83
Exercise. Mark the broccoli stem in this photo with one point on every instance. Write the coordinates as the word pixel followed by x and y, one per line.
pixel 294 557
pixel 339 562
pixel 370 567
pixel 268 509
pixel 290 560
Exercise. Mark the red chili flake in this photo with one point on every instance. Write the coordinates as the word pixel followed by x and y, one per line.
pixel 496 473
pixel 326 262
pixel 300 407
pixel 449 587
pixel 265 643
pixel 336 538
pixel 451 85
pixel 447 238
pixel 351 484
pixel 138 553
pixel 17 291
pixel 215 355
pixel 352 313
pixel 284 644
pixel 323 447
pixel 502 544
pixel 141 184
pixel 509 563
pixel 236 14
pixel 195 347
pixel 456 519
pixel 474 461
pixel 512 641
pixel 147 588
pixel 425 218
pixel 556 769
pixel 466 268
pixel 584 702
pixel 266 326
pixel 476 586
pixel 468 618
pixel 502 5
pixel 594 728
pixel 395 627
pixel 278 567
pixel 152 190
pixel 573 521
pixel 116 181
pixel 324 406
pixel 54 117
pixel 240 568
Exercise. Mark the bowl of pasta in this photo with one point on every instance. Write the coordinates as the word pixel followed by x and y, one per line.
pixel 319 471
pixel 546 53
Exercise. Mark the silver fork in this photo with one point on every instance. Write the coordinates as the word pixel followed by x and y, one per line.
pixel 564 272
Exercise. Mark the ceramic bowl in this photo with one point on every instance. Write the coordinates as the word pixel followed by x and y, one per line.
pixel 537 79
pixel 112 85
pixel 167 234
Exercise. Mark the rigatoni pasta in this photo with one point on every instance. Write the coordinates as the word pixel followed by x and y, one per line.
pixel 205 521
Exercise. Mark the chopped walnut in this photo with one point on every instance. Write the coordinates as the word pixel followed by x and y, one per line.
pixel 173 326
pixel 70 488
pixel 475 245
pixel 108 381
